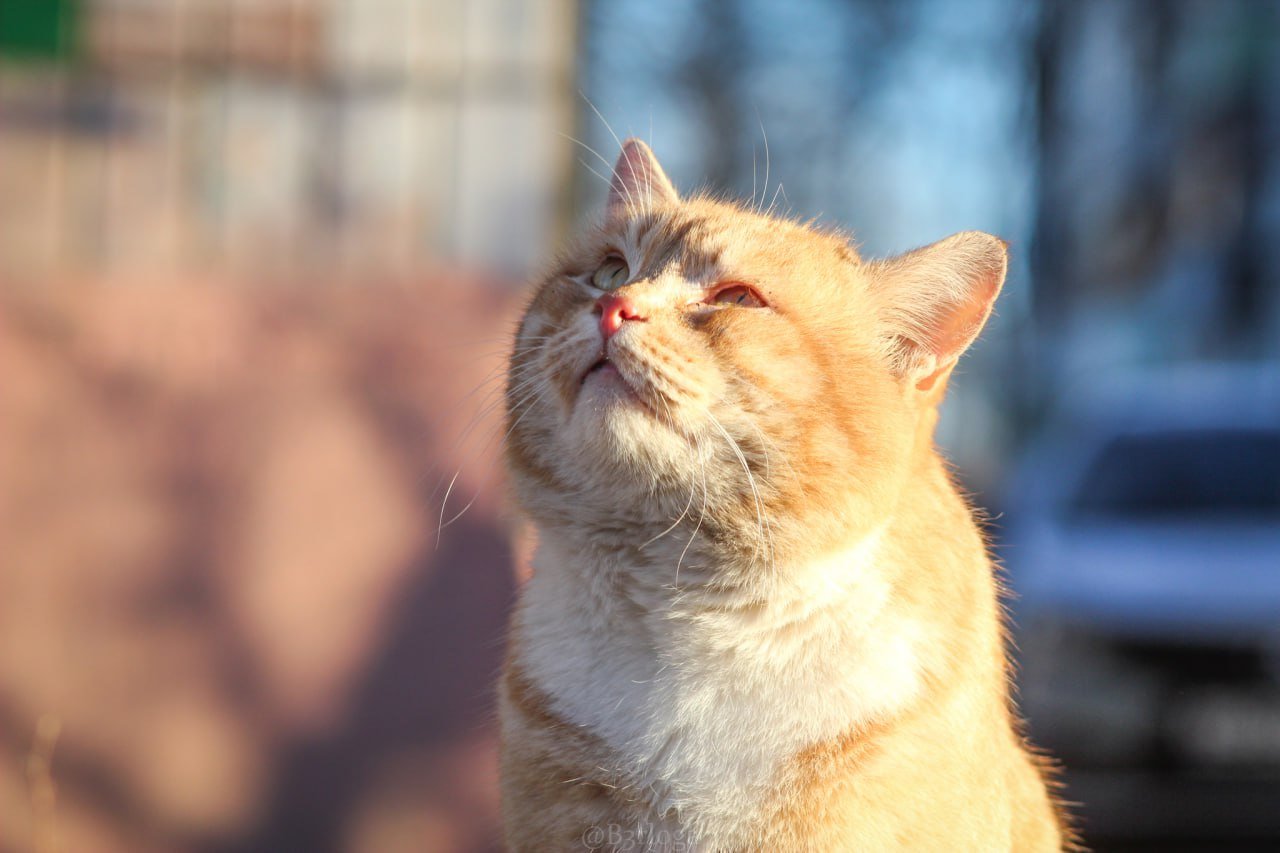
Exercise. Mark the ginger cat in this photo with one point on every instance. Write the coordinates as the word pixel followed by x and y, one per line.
pixel 760 617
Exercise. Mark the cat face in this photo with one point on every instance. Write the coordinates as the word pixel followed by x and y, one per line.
pixel 699 362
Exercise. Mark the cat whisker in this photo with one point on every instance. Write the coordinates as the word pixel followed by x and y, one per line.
pixel 497 372
pixel 753 176
pixel 587 166
pixel 687 506
pixel 764 447
pixel 593 151
pixel 528 403
pixel 766 136
pixel 773 203
pixel 490 384
pixel 631 202
pixel 766 444
pixel 492 387
pixel 493 397
pixel 504 338
pixel 498 396
pixel 765 536
pixel 701 515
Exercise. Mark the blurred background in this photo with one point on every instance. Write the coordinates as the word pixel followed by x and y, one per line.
pixel 258 264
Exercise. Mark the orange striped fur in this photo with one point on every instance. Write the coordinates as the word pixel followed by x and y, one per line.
pixel 760 617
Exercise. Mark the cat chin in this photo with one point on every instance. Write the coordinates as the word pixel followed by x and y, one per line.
pixel 611 432
pixel 620 428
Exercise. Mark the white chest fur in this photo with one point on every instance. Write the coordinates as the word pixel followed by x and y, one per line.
pixel 704 708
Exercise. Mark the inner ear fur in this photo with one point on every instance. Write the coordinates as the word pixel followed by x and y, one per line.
pixel 934 301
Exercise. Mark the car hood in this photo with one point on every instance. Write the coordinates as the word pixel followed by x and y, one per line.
pixel 1184 575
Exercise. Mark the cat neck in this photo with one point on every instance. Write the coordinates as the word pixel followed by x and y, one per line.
pixel 687 573
pixel 862 633
pixel 643 679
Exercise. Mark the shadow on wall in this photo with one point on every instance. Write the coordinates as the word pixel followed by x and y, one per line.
pixel 220 579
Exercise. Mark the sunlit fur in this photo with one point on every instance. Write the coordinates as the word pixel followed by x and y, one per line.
pixel 760 616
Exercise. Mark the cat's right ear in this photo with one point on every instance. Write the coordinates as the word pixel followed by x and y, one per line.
pixel 638 181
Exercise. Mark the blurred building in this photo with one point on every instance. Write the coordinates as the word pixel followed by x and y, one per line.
pixel 289 134
pixel 229 620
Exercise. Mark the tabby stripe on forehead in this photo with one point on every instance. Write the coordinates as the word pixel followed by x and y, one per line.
pixel 671 237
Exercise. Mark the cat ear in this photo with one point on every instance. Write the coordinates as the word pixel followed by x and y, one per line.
pixel 936 300
pixel 638 181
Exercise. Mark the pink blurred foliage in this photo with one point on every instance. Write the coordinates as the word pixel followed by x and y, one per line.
pixel 219 564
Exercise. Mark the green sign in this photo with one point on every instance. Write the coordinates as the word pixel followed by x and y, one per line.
pixel 38 29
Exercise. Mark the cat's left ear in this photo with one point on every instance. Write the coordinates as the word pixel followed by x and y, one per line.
pixel 638 181
pixel 935 301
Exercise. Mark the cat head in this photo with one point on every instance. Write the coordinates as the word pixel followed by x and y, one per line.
pixel 692 362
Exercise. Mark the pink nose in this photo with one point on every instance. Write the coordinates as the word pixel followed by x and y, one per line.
pixel 613 308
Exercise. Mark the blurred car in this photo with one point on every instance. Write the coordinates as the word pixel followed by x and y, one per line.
pixel 1143 540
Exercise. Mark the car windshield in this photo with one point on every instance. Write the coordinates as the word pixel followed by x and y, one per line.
pixel 1218 473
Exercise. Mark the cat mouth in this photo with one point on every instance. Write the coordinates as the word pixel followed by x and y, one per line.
pixel 602 364
pixel 604 372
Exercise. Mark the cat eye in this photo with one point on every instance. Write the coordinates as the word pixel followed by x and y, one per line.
pixel 611 274
pixel 737 294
